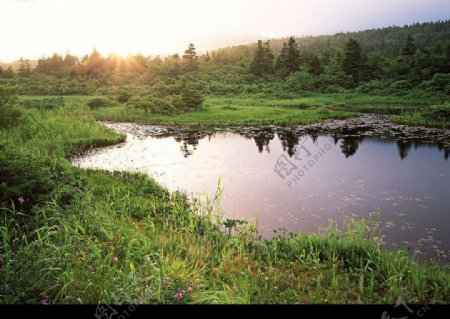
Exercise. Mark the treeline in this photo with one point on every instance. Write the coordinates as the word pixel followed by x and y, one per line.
pixel 398 61
pixel 351 66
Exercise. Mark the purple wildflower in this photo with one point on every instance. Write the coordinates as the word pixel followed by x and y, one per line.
pixel 191 288
pixel 21 200
pixel 180 294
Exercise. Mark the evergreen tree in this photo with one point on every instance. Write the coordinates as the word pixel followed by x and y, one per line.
pixel 409 49
pixel 268 57
pixel 9 73
pixel 315 67
pixel 1 72
pixel 190 58
pixel 263 59
pixel 353 60
pixel 447 50
pixel 24 68
pixel 289 58
pixel 281 60
pixel 94 65
pixel 207 57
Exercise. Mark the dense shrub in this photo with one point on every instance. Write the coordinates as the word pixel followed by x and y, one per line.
pixel 301 81
pixel 191 99
pixel 35 179
pixel 10 110
pixel 438 112
pixel 334 89
pixel 152 104
pixel 100 102
pixel 44 104
pixel 374 87
pixel 400 87
pixel 439 83
pixel 123 97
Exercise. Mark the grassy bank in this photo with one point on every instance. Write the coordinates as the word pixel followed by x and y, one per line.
pixel 92 236
pixel 255 110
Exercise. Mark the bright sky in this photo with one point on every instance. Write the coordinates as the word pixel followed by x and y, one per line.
pixel 34 28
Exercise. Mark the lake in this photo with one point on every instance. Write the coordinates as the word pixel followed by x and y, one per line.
pixel 297 180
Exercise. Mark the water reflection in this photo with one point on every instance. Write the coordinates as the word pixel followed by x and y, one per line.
pixel 404 181
pixel 349 145
pixel 348 142
pixel 262 139
pixel 403 148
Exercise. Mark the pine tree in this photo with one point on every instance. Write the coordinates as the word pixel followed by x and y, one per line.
pixel 409 49
pixel 315 67
pixel 447 50
pixel 190 58
pixel 207 57
pixel 281 60
pixel 263 59
pixel 268 58
pixel 94 64
pixel 289 59
pixel 9 73
pixel 408 52
pixel 353 60
pixel 24 68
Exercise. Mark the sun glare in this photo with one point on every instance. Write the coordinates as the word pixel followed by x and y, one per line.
pixel 38 28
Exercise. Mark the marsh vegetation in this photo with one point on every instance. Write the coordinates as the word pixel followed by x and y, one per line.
pixel 72 235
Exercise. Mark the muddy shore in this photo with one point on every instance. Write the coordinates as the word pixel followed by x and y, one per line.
pixel 363 125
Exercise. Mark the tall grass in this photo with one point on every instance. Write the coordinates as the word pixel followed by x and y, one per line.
pixel 123 238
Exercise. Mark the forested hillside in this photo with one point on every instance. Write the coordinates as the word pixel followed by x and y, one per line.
pixel 388 61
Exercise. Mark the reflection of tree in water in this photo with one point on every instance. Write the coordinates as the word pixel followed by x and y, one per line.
pixel 262 138
pixel 336 139
pixel 289 141
pixel 445 149
pixel 403 148
pixel 262 141
pixel 314 137
pixel 189 142
pixel 349 145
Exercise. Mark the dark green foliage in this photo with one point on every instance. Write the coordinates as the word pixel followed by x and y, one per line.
pixel 100 102
pixel 230 108
pixel 191 99
pixel 263 59
pixel 45 103
pixel 190 58
pixel 301 81
pixel 10 110
pixel 439 83
pixel 153 105
pixel 353 61
pixel 409 48
pixel 400 87
pixel 447 49
pixel 24 68
pixel 289 58
pixel 8 73
pixel 438 112
pixel 315 66
pixel 123 97
pixel 410 54
pixel 36 179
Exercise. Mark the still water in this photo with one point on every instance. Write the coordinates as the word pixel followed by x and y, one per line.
pixel 298 182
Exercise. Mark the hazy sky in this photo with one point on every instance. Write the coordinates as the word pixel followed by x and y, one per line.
pixel 33 28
